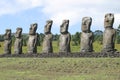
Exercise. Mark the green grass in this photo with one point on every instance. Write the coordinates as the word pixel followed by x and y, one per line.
pixel 97 47
pixel 59 68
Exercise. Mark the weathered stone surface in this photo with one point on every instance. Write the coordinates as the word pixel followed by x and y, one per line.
pixel 32 41
pixel 18 41
pixel 67 55
pixel 86 35
pixel 65 37
pixel 47 42
pixel 109 33
pixel 7 42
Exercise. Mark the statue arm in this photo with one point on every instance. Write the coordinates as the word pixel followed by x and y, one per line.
pixel 92 38
pixel 10 44
pixel 69 38
pixel 114 37
pixel 103 41
pixel 35 40
pixel 51 37
pixel 21 44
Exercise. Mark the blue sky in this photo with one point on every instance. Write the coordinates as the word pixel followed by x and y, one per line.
pixel 22 13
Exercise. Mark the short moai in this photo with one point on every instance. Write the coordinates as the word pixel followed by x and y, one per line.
pixel 33 37
pixel 18 41
pixel 7 42
pixel 47 42
pixel 65 37
pixel 109 34
pixel 87 36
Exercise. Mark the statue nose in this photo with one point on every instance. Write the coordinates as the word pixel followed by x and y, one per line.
pixel 84 23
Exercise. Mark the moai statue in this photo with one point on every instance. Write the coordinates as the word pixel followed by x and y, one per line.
pixel 47 43
pixel 65 37
pixel 18 41
pixel 86 35
pixel 32 41
pixel 7 42
pixel 109 33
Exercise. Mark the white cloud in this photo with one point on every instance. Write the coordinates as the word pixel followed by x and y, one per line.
pixel 14 6
pixel 117 20
pixel 76 9
pixel 73 10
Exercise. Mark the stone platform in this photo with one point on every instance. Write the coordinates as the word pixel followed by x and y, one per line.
pixel 60 55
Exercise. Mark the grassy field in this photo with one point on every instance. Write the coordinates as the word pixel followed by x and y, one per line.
pixel 59 68
pixel 97 47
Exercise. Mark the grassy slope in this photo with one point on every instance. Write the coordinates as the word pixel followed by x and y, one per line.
pixel 59 68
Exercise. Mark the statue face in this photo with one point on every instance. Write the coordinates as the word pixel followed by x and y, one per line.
pixel 86 23
pixel 109 20
pixel 8 34
pixel 48 26
pixel 33 28
pixel 18 32
pixel 64 26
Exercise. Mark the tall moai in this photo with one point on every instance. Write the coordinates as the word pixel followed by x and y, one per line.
pixel 65 37
pixel 47 42
pixel 18 41
pixel 33 37
pixel 86 35
pixel 7 42
pixel 109 33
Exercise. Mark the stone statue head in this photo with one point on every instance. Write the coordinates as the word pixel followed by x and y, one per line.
pixel 47 28
pixel 64 26
pixel 86 23
pixel 18 32
pixel 109 20
pixel 33 28
pixel 7 35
